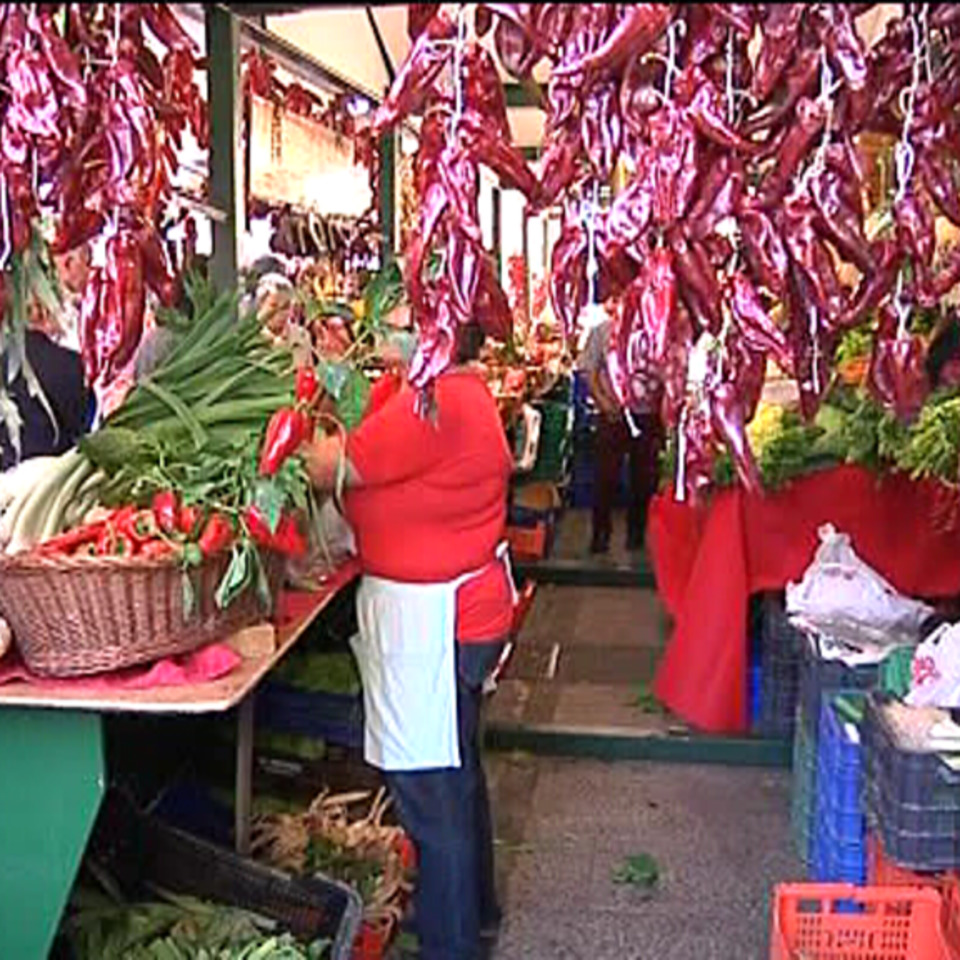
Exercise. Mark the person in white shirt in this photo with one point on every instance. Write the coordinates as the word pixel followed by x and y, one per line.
pixel 614 441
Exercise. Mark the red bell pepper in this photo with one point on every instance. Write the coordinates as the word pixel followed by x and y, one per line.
pixel 188 519
pixel 307 385
pixel 286 431
pixel 288 539
pixel 70 541
pixel 166 511
pixel 217 535
pixel 156 549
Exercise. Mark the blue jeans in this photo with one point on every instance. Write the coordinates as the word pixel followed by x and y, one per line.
pixel 447 815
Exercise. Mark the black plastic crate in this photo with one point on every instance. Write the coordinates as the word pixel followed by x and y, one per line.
pixel 141 851
pixel 779 652
pixel 334 717
pixel 919 852
pixel 906 778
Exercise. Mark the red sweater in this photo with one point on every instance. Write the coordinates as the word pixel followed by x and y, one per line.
pixel 432 499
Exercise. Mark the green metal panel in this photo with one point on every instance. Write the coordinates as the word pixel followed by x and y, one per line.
pixel 680 748
pixel 528 94
pixel 223 43
pixel 388 193
pixel 51 784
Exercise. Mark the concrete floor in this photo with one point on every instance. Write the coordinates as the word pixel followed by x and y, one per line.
pixel 720 837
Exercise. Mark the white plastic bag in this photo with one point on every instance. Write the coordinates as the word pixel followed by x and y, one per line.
pixel 936 669
pixel 840 594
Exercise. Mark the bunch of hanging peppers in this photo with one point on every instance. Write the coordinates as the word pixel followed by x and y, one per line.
pixel 90 123
pixel 745 191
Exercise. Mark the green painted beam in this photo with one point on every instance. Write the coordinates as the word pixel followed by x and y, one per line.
pixel 577 573
pixel 619 745
pixel 50 790
pixel 388 195
pixel 525 94
pixel 223 37
pixel 531 153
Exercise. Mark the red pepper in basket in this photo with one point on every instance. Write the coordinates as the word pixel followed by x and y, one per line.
pixel 307 385
pixel 156 549
pixel 288 539
pixel 217 535
pixel 114 543
pixel 258 527
pixel 188 519
pixel 166 511
pixel 287 429
pixel 70 541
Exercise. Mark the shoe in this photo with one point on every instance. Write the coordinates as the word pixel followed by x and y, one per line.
pixel 600 544
pixel 490 928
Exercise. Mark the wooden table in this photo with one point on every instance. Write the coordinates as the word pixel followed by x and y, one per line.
pixel 53 776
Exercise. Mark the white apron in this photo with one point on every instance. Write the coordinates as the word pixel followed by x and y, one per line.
pixel 406 652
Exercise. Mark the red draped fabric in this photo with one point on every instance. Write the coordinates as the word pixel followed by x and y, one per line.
pixel 708 559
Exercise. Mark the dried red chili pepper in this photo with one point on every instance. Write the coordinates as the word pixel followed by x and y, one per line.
pixel 779 29
pixel 727 417
pixel 639 27
pixel 754 323
pixel 422 66
pixel 285 432
pixel 810 117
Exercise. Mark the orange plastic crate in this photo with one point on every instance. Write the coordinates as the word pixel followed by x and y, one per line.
pixel 824 922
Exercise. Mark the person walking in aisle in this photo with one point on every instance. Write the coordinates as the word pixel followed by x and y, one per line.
pixel 427 500
pixel 615 440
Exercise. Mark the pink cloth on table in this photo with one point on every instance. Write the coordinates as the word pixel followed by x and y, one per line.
pixel 208 663
pixel 211 662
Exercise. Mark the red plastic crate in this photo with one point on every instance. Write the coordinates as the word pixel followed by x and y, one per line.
pixel 838 921
pixel 882 872
pixel 372 942
pixel 528 543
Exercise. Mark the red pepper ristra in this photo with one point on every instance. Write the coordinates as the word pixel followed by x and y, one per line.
pixel 217 535
pixel 286 431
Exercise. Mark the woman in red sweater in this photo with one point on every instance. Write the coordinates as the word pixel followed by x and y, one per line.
pixel 427 500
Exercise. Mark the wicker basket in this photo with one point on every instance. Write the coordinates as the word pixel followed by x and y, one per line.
pixel 73 616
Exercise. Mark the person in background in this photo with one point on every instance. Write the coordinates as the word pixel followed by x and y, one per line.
pixel 60 373
pixel 427 501
pixel 73 269
pixel 615 440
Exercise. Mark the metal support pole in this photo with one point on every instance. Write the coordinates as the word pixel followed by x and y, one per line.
pixel 388 162
pixel 243 790
pixel 223 55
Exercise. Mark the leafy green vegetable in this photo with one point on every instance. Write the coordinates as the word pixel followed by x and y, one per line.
pixel 638 870
pixel 100 927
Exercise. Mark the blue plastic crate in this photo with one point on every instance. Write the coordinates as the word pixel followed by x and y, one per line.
pixel 836 860
pixel 840 830
pixel 754 686
pixel 333 717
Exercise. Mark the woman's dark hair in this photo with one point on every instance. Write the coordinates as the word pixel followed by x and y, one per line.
pixel 469 342
pixel 944 346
